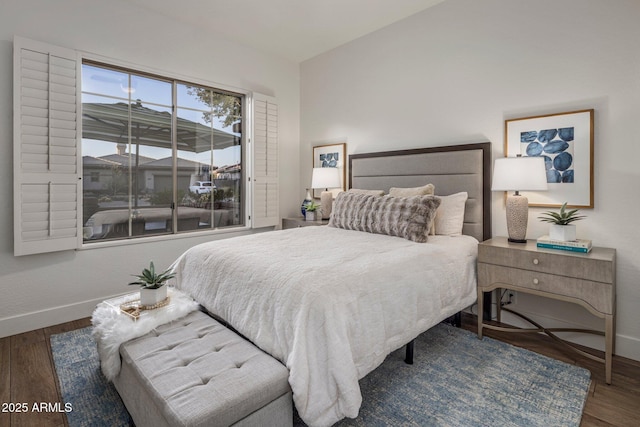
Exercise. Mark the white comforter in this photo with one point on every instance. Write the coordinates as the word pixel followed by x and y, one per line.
pixel 330 304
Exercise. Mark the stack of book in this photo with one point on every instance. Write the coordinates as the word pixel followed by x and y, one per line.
pixel 578 245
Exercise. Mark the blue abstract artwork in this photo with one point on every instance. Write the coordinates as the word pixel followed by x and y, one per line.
pixel 555 146
pixel 329 160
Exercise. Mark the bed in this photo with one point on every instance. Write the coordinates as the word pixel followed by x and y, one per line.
pixel 331 303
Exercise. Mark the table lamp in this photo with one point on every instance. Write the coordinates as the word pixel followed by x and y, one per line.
pixel 325 178
pixel 518 174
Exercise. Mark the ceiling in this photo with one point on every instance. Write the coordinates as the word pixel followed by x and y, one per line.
pixel 293 29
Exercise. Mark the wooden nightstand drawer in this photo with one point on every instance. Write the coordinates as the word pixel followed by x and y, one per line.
pixel 598 295
pixel 595 266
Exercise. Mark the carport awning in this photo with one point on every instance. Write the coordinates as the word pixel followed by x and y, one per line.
pixel 110 122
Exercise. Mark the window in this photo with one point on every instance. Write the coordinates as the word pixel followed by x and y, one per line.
pixel 162 156
pixel 147 142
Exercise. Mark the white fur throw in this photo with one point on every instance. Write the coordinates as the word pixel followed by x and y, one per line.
pixel 112 328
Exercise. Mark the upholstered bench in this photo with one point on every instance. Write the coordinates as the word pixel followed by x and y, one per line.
pixel 196 372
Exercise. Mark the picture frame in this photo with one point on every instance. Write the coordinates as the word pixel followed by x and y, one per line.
pixel 565 140
pixel 331 155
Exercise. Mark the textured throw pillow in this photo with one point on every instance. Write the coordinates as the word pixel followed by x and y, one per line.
pixel 369 192
pixel 450 214
pixel 407 217
pixel 412 191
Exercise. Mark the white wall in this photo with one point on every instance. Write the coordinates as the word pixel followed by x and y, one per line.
pixel 41 290
pixel 453 73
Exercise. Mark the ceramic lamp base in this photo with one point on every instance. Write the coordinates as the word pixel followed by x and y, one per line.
pixel 517 240
pixel 517 218
pixel 326 203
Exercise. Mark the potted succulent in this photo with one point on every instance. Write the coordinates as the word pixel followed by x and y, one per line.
pixel 310 212
pixel 561 227
pixel 152 289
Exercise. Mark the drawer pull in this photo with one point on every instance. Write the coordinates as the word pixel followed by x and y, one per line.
pixel 535 261
pixel 535 281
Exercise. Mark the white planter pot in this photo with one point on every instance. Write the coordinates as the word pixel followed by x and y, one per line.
pixel 310 215
pixel 152 296
pixel 564 233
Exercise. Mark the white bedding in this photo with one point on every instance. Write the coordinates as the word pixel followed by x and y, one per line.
pixel 330 304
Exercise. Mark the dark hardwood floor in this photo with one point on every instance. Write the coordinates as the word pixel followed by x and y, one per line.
pixel 27 376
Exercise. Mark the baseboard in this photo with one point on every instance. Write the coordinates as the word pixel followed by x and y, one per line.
pixel 49 317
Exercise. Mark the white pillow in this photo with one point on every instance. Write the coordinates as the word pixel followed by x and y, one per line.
pixel 367 192
pixel 450 215
pixel 425 190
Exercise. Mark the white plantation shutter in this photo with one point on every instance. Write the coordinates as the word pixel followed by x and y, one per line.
pixel 46 180
pixel 265 161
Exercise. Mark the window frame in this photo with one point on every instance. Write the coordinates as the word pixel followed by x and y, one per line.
pixel 174 79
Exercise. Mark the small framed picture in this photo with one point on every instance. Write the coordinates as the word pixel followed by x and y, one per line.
pixel 565 141
pixel 330 156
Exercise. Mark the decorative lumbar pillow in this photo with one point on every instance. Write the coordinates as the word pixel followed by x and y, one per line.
pixel 407 217
pixel 369 192
pixel 412 191
pixel 450 214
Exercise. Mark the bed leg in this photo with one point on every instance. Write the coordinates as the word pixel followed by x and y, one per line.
pixel 409 356
pixel 454 320
pixel 457 319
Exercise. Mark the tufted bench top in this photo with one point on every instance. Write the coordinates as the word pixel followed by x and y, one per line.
pixel 198 372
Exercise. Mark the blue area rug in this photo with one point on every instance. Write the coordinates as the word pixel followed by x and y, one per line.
pixel 459 380
pixel 456 380
pixel 95 401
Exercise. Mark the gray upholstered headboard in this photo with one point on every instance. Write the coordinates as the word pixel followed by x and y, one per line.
pixel 450 169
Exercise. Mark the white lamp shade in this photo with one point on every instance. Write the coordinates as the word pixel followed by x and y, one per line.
pixel 519 174
pixel 325 178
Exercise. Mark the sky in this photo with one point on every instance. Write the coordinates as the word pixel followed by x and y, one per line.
pixel 101 85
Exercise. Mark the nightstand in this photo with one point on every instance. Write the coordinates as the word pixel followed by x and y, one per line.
pixel 301 222
pixel 584 279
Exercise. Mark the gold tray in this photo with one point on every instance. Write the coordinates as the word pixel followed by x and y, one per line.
pixel 133 308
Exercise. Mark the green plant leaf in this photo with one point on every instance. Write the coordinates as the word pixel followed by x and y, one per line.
pixel 312 206
pixel 149 279
pixel 563 217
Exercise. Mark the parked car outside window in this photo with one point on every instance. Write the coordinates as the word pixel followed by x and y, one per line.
pixel 202 187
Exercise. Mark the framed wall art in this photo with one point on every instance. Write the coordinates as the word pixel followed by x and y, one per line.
pixel 331 156
pixel 565 141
